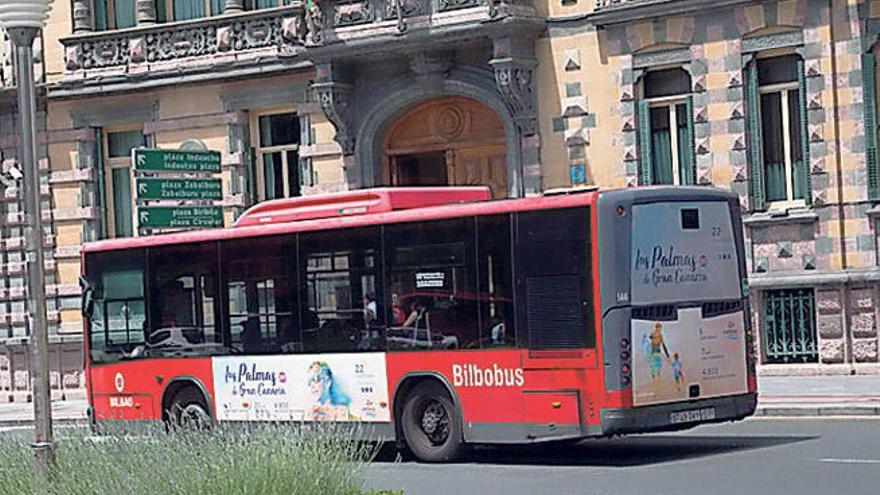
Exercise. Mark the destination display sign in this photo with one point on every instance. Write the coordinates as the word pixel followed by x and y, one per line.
pixel 152 188
pixel 183 217
pixel 156 160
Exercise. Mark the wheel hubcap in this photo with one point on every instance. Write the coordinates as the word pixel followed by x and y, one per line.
pixel 435 422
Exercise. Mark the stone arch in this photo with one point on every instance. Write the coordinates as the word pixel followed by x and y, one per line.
pixel 405 94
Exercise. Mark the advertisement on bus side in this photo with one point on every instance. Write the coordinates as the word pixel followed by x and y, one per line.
pixel 326 387
pixel 688 358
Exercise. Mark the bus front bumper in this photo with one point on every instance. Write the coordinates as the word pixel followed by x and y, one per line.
pixel 677 416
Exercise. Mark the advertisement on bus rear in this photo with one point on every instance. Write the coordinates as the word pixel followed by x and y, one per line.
pixel 683 252
pixel 327 387
pixel 688 358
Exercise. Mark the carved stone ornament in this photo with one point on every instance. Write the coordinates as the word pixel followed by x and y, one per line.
pixel 445 5
pixel 333 97
pixel 82 16
pixel 352 13
pixel 293 29
pixel 174 41
pixel 314 25
pixel 515 81
pixel 146 12
pixel 408 8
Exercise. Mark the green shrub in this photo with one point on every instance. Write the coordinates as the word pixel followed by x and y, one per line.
pixel 247 460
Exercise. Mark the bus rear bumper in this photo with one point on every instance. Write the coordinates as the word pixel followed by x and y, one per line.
pixel 659 417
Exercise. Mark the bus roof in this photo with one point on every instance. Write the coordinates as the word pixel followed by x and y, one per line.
pixel 353 209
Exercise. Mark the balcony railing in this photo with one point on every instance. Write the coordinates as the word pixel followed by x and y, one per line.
pixel 226 36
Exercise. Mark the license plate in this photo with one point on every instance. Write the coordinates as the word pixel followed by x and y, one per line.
pixel 692 416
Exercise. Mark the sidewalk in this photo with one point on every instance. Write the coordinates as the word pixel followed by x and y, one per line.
pixel 778 396
pixel 63 412
pixel 839 395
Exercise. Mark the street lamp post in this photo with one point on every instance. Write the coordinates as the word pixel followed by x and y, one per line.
pixel 23 20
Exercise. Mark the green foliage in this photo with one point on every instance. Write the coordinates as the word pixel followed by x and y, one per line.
pixel 236 461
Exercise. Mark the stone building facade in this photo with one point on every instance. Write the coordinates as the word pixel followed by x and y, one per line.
pixel 770 99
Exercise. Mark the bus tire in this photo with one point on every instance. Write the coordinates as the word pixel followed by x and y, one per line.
pixel 189 410
pixel 431 424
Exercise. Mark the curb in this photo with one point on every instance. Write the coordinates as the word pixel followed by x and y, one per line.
pixel 816 411
pixel 6 423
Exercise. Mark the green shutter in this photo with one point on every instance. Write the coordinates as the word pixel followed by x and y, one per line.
pixel 644 116
pixel 100 13
pixel 805 133
pixel 689 165
pixel 870 104
pixel 756 165
pixel 217 6
pixel 102 204
pixel 124 14
pixel 188 9
pixel 251 176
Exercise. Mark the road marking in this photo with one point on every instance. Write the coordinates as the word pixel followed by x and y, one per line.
pixel 850 461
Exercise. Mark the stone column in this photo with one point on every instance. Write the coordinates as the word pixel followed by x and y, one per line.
pixel 146 12
pixel 514 65
pixel 233 6
pixel 82 16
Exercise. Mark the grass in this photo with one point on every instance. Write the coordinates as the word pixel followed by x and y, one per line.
pixel 258 460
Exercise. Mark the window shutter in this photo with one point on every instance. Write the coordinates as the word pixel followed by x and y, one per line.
pixel 217 6
pixel 805 133
pixel 101 202
pixel 870 104
pixel 100 12
pixel 644 116
pixel 124 14
pixel 756 165
pixel 250 176
pixel 690 163
pixel 188 9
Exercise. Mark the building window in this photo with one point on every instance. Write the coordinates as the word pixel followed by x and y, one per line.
pixel 276 154
pixel 666 128
pixel 790 326
pixel 118 180
pixel 869 92
pixel 779 152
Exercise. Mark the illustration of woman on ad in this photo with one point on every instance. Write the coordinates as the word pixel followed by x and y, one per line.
pixel 330 401
pixel 655 359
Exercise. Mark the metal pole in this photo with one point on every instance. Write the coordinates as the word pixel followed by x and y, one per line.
pixel 23 39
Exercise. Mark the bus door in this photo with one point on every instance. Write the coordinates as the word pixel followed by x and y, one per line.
pixel 554 315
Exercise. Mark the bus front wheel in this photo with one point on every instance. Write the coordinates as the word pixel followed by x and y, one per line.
pixel 189 410
pixel 431 424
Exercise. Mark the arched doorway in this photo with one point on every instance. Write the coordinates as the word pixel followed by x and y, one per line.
pixel 447 141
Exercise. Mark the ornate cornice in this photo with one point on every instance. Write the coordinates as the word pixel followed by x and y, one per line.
pixel 610 12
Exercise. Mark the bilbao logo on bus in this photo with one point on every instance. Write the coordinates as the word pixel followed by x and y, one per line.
pixel 472 375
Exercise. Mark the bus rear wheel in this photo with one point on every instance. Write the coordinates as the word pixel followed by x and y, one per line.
pixel 189 410
pixel 431 424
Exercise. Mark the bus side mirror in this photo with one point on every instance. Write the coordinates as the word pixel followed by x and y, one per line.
pixel 88 297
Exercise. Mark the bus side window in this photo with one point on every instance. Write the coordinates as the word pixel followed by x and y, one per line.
pixel 495 281
pixel 262 307
pixel 183 310
pixel 431 278
pixel 340 291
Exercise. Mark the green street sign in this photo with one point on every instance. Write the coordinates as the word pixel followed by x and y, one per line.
pixel 184 217
pixel 151 188
pixel 156 160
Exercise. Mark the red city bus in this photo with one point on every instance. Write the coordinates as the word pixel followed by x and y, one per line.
pixel 433 317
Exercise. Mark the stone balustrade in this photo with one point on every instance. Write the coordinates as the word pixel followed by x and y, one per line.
pixel 273 30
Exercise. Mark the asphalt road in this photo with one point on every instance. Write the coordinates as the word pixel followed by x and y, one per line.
pixel 760 456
